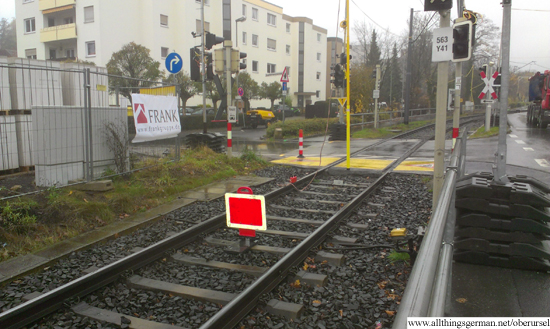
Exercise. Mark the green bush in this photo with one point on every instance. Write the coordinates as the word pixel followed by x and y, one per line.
pixel 195 122
pixel 15 217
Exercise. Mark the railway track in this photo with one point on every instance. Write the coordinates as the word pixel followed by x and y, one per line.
pixel 322 263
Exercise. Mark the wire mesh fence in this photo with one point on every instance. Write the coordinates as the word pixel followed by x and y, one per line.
pixel 69 123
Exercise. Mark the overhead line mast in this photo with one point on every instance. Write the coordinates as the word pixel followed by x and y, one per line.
pixel 347 89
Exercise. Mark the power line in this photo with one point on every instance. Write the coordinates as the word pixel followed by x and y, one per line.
pixel 541 10
pixel 372 20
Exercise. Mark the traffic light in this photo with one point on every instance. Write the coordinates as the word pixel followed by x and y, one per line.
pixel 344 59
pixel 462 44
pixel 209 66
pixel 483 69
pixel 210 40
pixel 236 57
pixel 437 5
pixel 498 79
pixel 195 61
pixel 339 76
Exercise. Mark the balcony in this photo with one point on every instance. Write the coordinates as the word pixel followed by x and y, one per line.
pixel 55 5
pixel 60 32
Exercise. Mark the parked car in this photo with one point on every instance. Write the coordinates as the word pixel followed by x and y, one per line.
pixel 259 116
pixel 288 111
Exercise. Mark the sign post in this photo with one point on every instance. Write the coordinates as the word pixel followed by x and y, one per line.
pixel 246 212
pixel 284 80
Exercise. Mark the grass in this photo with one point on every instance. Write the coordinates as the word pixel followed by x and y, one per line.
pixel 481 133
pixel 33 222
pixel 384 132
pixel 396 257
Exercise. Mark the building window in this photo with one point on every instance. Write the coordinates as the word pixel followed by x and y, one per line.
pixel 69 53
pixel 244 61
pixel 244 10
pixel 288 49
pixel 318 93
pixel 318 75
pixel 68 20
pixel 270 68
pixel 318 57
pixel 318 37
pixel 287 70
pixel 163 20
pixel 30 53
pixel 254 66
pixel 199 27
pixel 271 19
pixel 88 14
pixel 51 21
pixel 163 52
pixel 271 44
pixel 30 26
pixel 90 48
pixel 255 14
pixel 244 38
pixel 254 40
pixel 287 27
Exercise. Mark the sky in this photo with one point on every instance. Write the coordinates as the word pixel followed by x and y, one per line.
pixel 529 42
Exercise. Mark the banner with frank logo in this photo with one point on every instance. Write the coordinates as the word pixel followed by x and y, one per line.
pixel 155 117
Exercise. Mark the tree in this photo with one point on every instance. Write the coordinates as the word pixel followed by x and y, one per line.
pixel 132 68
pixel 250 87
pixel 212 92
pixel 8 40
pixel 361 86
pixel 373 58
pixel 187 87
pixel 390 89
pixel 272 91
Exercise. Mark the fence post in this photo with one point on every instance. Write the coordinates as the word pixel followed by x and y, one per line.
pixel 88 101
pixel 178 143
pixel 86 133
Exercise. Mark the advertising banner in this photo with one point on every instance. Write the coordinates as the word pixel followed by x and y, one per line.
pixel 155 117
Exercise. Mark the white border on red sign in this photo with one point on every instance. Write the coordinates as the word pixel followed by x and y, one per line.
pixel 245 196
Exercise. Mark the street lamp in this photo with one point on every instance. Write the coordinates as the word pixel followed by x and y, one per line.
pixel 237 21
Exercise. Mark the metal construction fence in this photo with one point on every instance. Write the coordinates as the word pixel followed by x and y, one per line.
pixel 67 122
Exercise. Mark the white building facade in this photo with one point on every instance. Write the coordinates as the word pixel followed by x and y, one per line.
pixel 92 30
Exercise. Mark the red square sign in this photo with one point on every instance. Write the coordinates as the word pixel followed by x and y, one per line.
pixel 245 211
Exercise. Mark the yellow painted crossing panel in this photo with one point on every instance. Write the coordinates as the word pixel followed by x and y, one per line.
pixel 374 164
pixel 306 162
pixel 416 166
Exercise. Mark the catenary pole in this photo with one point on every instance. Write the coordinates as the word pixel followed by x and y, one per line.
pixel 440 117
pixel 458 83
pixel 500 175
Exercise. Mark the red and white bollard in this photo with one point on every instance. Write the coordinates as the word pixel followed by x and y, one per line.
pixel 229 140
pixel 455 136
pixel 301 145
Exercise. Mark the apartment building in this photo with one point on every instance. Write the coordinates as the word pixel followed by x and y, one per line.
pixel 92 30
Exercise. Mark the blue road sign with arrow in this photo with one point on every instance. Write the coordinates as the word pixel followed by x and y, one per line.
pixel 173 63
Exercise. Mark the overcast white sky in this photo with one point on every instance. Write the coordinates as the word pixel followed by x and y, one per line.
pixel 529 41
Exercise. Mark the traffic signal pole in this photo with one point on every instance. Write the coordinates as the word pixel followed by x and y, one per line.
pixel 348 127
pixel 228 46
pixel 203 71
pixel 440 117
pixel 377 87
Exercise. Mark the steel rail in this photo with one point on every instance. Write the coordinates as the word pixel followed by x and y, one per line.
pixel 241 305
pixel 233 312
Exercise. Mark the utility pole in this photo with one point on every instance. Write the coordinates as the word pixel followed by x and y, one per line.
pixel 203 71
pixel 348 123
pixel 408 76
pixel 500 174
pixel 377 94
pixel 228 46
pixel 440 116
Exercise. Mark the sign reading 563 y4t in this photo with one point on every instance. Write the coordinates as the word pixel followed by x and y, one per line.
pixel 442 44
